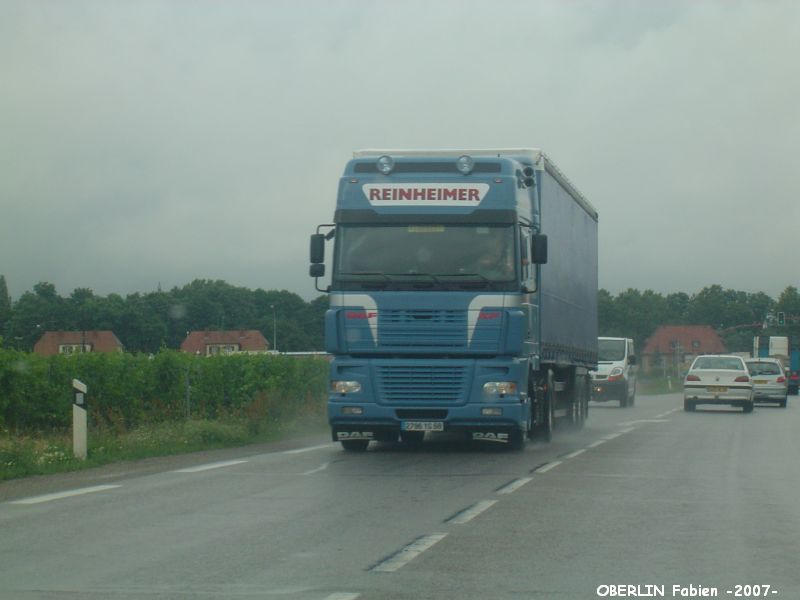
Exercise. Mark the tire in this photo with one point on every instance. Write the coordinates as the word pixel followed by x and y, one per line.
pixel 689 406
pixel 782 403
pixel 578 411
pixel 355 445
pixel 747 408
pixel 545 424
pixel 632 399
pixel 412 437
pixel 623 401
pixel 517 439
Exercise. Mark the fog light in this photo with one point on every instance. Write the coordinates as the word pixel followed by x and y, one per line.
pixel 500 388
pixel 352 410
pixel 492 412
pixel 345 387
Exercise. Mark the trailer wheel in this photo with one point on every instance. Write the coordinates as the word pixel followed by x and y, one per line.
pixel 355 445
pixel 546 421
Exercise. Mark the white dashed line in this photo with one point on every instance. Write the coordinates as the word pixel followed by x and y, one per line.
pixel 209 466
pixel 576 453
pixel 548 466
pixel 628 430
pixel 596 444
pixel 409 553
pixel 342 596
pixel 318 469
pixel 67 494
pixel 514 485
pixel 465 516
pixel 611 436
pixel 308 449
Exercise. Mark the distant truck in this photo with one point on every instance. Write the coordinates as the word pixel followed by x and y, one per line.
pixel 615 378
pixel 463 297
pixel 787 348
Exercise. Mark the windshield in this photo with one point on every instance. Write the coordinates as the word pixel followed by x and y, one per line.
pixel 610 350
pixel 441 256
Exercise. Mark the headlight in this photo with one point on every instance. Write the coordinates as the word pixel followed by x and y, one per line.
pixel 615 374
pixel 500 388
pixel 345 387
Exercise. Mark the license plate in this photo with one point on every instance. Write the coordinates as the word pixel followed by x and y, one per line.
pixel 717 389
pixel 422 426
pixel 760 381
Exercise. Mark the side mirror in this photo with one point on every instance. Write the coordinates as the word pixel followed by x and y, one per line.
pixel 631 360
pixel 539 249
pixel 317 248
pixel 316 270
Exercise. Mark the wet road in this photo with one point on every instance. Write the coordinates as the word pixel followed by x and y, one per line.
pixel 646 498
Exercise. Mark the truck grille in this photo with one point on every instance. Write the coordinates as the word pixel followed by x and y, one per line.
pixel 422 384
pixel 441 328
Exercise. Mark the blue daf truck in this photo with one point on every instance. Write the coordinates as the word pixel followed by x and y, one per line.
pixel 463 297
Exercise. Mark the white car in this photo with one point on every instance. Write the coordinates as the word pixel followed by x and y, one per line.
pixel 769 380
pixel 718 379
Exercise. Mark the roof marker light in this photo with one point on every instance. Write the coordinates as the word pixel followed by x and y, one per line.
pixel 465 164
pixel 385 164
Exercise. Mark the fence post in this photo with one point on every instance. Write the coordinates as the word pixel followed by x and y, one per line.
pixel 79 429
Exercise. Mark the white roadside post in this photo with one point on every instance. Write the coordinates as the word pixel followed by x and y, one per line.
pixel 79 446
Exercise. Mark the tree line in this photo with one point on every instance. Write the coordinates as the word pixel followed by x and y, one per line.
pixel 151 321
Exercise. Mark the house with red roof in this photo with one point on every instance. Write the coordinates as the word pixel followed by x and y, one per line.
pixel 211 343
pixel 75 342
pixel 674 347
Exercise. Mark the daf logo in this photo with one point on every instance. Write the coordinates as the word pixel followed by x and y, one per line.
pixel 490 436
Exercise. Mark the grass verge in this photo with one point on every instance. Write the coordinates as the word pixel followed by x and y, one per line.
pixel 51 452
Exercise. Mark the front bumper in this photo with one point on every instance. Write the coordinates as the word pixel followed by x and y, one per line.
pixel 604 390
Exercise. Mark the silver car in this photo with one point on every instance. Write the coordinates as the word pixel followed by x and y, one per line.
pixel 718 379
pixel 769 380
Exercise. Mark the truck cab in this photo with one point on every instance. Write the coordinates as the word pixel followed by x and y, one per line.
pixel 615 377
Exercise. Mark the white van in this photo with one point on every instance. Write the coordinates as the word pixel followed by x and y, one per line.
pixel 615 378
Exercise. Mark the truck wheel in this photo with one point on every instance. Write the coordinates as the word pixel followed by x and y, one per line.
pixel 412 437
pixel 355 445
pixel 516 441
pixel 577 412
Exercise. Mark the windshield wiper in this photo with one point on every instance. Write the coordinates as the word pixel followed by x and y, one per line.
pixel 483 280
pixel 367 273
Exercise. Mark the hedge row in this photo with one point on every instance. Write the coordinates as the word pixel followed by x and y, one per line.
pixel 126 390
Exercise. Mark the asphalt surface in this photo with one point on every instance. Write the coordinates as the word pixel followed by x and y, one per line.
pixel 644 498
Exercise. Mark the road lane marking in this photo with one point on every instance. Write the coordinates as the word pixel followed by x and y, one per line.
pixel 342 596
pixel 514 485
pixel 548 466
pixel 576 453
pixel 628 430
pixel 209 466
pixel 409 553
pixel 658 419
pixel 67 494
pixel 596 444
pixel 308 449
pixel 322 467
pixel 611 436
pixel 465 516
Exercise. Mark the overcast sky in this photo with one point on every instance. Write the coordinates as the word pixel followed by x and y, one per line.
pixel 156 142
